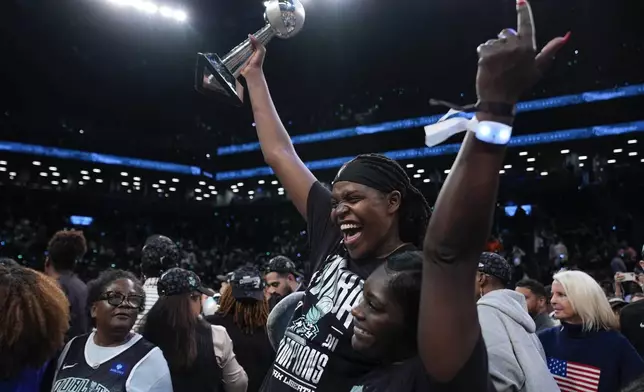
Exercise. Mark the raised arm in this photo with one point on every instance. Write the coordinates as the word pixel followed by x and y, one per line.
pixel 275 142
pixel 460 224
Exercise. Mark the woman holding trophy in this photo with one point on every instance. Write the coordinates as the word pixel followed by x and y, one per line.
pixel 374 212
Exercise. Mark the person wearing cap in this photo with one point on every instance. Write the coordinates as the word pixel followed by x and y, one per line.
pixel 281 279
pixel 200 355
pixel 243 311
pixel 159 254
pixel 517 360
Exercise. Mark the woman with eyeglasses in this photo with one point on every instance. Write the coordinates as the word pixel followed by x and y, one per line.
pixel 112 358
pixel 200 355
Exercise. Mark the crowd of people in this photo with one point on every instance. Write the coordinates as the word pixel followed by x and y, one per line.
pixel 402 297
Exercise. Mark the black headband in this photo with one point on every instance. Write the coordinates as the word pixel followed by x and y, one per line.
pixel 374 174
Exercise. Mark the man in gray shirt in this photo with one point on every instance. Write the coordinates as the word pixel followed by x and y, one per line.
pixel 537 299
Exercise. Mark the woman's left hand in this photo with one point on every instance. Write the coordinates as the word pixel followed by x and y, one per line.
pixel 510 65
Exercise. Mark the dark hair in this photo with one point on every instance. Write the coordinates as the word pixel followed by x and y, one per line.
pixel 158 255
pixel 35 318
pixel 635 386
pixel 96 287
pixel 639 294
pixel 414 211
pixel 247 315
pixel 8 262
pixel 173 313
pixel 405 270
pixel 536 287
pixel 65 248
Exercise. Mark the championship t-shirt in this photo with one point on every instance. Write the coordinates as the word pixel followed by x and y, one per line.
pixel 315 353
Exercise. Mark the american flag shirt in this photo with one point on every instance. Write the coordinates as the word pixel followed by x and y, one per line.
pixel 573 376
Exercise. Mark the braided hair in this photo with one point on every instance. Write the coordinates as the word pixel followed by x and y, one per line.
pixel 414 210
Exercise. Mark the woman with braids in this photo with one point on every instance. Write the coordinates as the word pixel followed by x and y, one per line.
pixel 373 212
pixel 243 311
pixel 33 322
pixel 112 358
pixel 200 355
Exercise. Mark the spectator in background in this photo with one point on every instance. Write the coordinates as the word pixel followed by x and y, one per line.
pixel 617 264
pixel 631 320
pixel 157 256
pixel 537 301
pixel 558 252
pixel 29 339
pixel 65 249
pixel 243 312
pixel 587 344
pixel 281 279
pixel 517 360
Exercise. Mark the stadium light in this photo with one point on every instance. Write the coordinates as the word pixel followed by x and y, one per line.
pixel 152 8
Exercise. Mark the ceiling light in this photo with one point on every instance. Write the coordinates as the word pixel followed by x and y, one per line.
pixel 202 183
pixel 197 190
pixel 261 182
pixel 544 173
pixel 507 167
pixel 416 175
pixel 52 168
pixel 175 180
pixel 632 141
pixel 420 170
pixel 160 190
pixel 632 154
pixel 36 163
pixel 81 183
pixel 155 185
pixel 531 159
pixel 162 182
pixel 617 150
pixel 137 178
pixel 172 189
pixel 54 182
pixel 523 153
pixel 565 151
pixel 581 165
pixel 206 195
pixel 198 198
pixel 410 165
pixel 214 192
pixel 99 180
pixel 65 181
pixel 611 161
pixel 3 169
pixel 583 158
pixel 84 172
pixel 251 197
pixel 125 183
pixel 530 169
pixel 129 191
pixel 137 188
pixel 211 187
pixel 251 192
pixel 280 189
pixel 124 174
pixel 42 174
pixel 501 171
pixel 135 183
pixel 233 187
pixel 235 190
pixel 273 182
pixel 86 178
pixel 3 163
pixel 447 171
pixel 426 180
pixel 55 174
pixel 12 174
pixel 240 184
pixel 96 170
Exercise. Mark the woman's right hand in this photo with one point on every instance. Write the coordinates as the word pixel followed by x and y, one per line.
pixel 254 65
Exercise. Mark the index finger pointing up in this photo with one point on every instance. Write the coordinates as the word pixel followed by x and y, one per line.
pixel 526 23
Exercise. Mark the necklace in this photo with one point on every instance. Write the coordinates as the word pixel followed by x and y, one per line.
pixel 394 251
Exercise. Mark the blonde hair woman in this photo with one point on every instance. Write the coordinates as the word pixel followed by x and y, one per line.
pixel 587 352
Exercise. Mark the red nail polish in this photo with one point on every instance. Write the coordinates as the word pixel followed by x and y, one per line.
pixel 520 3
pixel 566 37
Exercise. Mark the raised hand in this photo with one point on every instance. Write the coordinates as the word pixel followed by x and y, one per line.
pixel 510 65
pixel 253 66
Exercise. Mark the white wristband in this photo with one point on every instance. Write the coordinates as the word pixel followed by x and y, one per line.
pixel 491 132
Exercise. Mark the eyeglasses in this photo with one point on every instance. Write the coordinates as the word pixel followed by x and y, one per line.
pixel 116 299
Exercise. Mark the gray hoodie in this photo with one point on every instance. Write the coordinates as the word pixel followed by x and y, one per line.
pixel 517 359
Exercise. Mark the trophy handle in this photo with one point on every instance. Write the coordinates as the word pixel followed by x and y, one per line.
pixel 236 58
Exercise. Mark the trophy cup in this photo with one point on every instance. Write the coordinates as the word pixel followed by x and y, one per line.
pixel 219 77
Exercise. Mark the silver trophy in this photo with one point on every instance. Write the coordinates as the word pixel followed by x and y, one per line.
pixel 284 19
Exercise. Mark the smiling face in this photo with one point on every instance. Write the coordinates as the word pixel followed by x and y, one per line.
pixel 368 218
pixel 117 320
pixel 379 330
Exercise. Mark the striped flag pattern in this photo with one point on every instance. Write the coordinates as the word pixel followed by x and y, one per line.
pixel 574 377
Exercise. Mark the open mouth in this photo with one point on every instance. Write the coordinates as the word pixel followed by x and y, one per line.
pixel 351 232
pixel 361 333
pixel 122 316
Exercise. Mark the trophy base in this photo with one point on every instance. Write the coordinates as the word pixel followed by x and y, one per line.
pixel 212 78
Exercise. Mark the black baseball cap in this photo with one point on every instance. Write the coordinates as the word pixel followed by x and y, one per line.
pixel 178 281
pixel 495 265
pixel 282 265
pixel 247 283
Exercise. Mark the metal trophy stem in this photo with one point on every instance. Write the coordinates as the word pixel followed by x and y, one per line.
pixel 219 77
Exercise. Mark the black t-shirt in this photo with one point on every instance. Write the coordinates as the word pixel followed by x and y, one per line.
pixel 631 321
pixel 76 292
pixel 410 376
pixel 315 353
pixel 253 351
